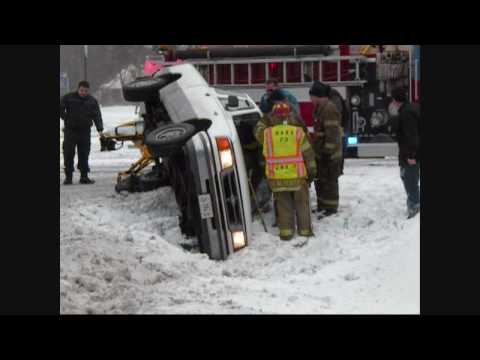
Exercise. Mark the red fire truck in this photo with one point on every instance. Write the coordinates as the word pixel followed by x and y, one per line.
pixel 363 75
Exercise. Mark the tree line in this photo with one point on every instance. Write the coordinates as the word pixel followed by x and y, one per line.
pixel 104 62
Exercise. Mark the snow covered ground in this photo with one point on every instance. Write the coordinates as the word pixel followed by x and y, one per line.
pixel 122 254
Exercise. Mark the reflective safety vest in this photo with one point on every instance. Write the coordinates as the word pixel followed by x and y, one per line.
pixel 283 153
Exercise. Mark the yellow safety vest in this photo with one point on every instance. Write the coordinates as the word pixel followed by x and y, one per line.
pixel 283 154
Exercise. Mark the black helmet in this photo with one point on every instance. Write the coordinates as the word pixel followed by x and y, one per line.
pixel 319 89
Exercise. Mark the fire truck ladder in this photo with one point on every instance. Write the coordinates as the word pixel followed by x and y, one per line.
pixel 339 75
pixel 333 78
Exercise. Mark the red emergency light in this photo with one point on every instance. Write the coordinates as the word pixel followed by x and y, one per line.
pixel 151 67
pixel 273 67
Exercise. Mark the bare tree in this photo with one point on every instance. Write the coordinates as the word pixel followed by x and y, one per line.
pixel 104 61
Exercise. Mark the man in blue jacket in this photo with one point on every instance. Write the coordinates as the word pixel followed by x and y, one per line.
pixel 266 103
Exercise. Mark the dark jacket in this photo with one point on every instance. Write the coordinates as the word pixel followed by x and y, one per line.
pixel 408 135
pixel 78 113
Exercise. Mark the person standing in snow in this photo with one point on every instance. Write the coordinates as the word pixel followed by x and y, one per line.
pixel 290 166
pixel 276 97
pixel 408 137
pixel 267 101
pixel 343 109
pixel 328 145
pixel 79 111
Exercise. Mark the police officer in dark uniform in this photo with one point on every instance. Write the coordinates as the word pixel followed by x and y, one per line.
pixel 79 111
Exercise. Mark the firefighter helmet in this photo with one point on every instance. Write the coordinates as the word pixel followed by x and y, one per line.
pixel 281 110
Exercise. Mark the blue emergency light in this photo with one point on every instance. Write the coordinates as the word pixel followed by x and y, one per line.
pixel 353 140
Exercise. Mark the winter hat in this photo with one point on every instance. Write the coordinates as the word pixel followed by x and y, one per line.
pixel 319 89
pixel 399 94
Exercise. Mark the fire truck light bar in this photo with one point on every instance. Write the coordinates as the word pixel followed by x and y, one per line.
pixel 353 140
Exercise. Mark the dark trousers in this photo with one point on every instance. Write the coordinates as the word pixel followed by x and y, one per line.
pixel 410 175
pixel 326 185
pixel 74 139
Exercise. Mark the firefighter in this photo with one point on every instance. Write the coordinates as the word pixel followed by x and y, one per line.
pixel 276 97
pixel 78 110
pixel 327 143
pixel 343 109
pixel 290 167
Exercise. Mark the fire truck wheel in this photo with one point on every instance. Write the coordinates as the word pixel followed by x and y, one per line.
pixel 147 87
pixel 168 139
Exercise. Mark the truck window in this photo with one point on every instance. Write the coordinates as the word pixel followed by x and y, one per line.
pixel 253 118
pixel 240 72
pixel 316 71
pixel 245 125
pixel 204 70
pixel 258 74
pixel 308 71
pixel 294 70
pixel 275 70
pixel 224 74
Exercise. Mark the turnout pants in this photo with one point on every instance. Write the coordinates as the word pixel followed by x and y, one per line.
pixel 291 205
pixel 326 185
pixel 80 140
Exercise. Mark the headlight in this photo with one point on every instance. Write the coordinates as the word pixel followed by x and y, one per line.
pixel 355 100
pixel 226 159
pixel 238 240
pixel 226 155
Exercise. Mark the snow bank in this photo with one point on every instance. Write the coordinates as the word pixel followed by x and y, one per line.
pixel 123 254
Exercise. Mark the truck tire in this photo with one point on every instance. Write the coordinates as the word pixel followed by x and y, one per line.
pixel 147 87
pixel 169 139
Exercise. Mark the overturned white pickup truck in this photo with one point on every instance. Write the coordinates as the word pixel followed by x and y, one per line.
pixel 190 129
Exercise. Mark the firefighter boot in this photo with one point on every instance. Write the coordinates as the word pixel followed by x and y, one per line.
pixel 412 211
pixel 327 213
pixel 286 234
pixel 85 180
